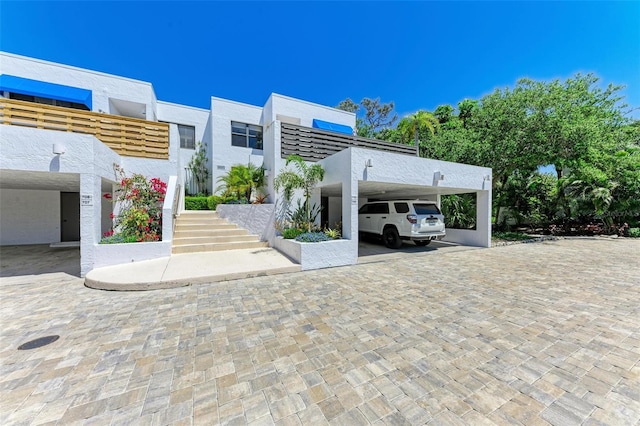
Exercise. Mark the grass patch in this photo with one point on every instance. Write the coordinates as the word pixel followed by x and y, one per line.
pixel 510 236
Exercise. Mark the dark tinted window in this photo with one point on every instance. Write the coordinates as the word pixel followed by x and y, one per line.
pixel 187 136
pixel 246 135
pixel 364 209
pixel 401 207
pixel 426 209
pixel 47 101
pixel 379 208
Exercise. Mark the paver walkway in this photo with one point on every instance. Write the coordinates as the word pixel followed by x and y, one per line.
pixel 526 334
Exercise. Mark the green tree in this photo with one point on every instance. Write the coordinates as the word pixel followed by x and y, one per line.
pixel 444 113
pixel 466 110
pixel 242 181
pixel 305 177
pixel 199 168
pixel 376 118
pixel 412 125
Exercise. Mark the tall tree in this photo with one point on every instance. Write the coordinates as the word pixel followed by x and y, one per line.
pixel 376 118
pixel 411 126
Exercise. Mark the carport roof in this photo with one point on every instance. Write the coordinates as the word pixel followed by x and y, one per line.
pixel 385 190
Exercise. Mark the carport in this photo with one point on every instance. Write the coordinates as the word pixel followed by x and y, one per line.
pixel 357 175
pixel 41 221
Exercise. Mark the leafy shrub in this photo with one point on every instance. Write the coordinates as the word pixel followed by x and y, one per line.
pixel 195 203
pixel 634 232
pixel 213 201
pixel 312 237
pixel 118 239
pixel 510 236
pixel 140 203
pixel 334 234
pixel 241 182
pixel 291 233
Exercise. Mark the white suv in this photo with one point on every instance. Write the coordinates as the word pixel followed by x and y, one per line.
pixel 415 220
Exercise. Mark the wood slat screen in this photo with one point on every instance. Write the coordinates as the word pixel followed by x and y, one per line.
pixel 315 144
pixel 130 137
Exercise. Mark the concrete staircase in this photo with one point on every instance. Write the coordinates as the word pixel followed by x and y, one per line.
pixel 198 231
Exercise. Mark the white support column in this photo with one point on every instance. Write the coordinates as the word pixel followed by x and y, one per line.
pixel 90 219
pixel 167 209
pixel 483 218
pixel 350 208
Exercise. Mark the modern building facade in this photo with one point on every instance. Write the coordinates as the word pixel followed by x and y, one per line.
pixel 63 128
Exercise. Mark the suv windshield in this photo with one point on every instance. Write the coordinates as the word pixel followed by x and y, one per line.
pixel 422 209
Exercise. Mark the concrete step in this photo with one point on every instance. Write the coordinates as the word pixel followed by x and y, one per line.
pixel 198 213
pixel 205 227
pixel 199 218
pixel 192 248
pixel 215 239
pixel 209 233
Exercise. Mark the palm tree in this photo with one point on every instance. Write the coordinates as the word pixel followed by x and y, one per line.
pixel 306 178
pixel 411 125
pixel 242 180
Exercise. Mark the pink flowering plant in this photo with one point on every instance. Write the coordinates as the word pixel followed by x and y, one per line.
pixel 140 216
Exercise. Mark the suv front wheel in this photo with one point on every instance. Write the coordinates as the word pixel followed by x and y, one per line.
pixel 391 238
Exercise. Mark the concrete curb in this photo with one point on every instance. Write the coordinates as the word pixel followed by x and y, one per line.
pixel 185 282
pixel 180 270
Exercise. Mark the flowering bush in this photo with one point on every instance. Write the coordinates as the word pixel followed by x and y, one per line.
pixel 140 217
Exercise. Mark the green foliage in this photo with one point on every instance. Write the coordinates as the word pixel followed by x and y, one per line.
pixel 421 123
pixel 118 239
pixel 305 177
pixel 578 126
pixel 199 168
pixel 312 237
pixel 140 207
pixel 334 234
pixel 196 203
pixel 242 182
pixel 459 211
pixel 634 232
pixel 510 236
pixel 376 118
pixel 291 233
pixel 303 217
pixel 444 113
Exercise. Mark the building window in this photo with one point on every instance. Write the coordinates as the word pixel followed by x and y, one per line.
pixel 187 136
pixel 246 135
pixel 47 101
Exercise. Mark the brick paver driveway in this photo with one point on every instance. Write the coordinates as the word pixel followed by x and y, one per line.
pixel 526 334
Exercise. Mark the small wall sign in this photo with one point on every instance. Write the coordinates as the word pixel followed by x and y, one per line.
pixel 86 200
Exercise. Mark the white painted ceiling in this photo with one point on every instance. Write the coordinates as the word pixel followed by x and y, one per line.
pixel 48 181
pixel 54 181
pixel 385 190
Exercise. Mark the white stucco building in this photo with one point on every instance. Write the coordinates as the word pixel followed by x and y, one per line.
pixel 63 128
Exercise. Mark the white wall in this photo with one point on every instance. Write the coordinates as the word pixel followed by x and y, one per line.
pixel 405 169
pixel 258 219
pixel 190 116
pixel 103 86
pixel 116 254
pixel 224 154
pixel 305 111
pixel 326 254
pixel 29 216
pixel 30 149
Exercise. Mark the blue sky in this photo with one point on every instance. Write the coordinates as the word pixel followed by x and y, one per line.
pixel 417 54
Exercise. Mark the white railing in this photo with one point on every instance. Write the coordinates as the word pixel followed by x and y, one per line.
pixel 170 208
